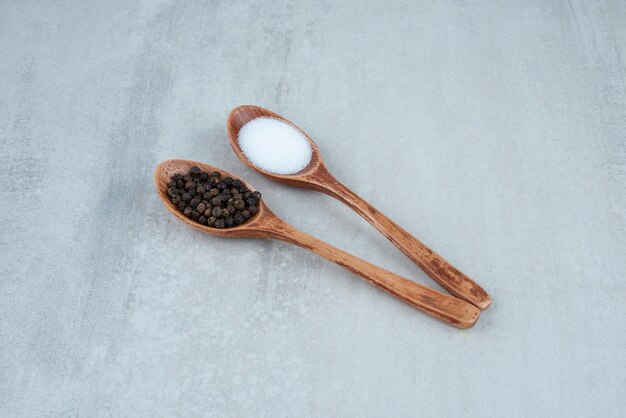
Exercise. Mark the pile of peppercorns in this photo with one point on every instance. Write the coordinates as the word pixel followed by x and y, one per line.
pixel 211 200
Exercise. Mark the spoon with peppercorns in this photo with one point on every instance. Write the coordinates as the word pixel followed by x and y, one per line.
pixel 278 149
pixel 209 199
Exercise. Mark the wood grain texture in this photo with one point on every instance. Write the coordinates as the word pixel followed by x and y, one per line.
pixel 317 177
pixel 265 224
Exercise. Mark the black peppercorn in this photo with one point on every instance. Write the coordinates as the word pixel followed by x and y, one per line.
pixel 239 204
pixel 211 200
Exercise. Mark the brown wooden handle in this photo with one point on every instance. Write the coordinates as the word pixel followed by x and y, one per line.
pixel 443 307
pixel 432 263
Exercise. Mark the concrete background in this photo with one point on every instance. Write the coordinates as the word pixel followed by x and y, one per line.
pixel 492 130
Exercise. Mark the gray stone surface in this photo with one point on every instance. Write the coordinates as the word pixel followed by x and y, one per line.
pixel 492 130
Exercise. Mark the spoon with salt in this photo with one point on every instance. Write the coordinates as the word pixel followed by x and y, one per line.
pixel 265 224
pixel 278 149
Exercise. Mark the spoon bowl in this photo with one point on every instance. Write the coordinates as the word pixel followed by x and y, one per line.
pixel 317 177
pixel 250 228
pixel 265 224
pixel 241 115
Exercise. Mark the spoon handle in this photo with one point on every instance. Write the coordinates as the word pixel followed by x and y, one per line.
pixel 443 307
pixel 432 263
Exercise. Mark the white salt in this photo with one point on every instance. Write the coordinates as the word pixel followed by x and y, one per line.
pixel 274 145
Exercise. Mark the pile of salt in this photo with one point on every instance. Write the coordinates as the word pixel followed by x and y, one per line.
pixel 274 146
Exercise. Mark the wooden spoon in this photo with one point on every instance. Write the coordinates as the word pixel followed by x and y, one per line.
pixel 266 224
pixel 316 176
